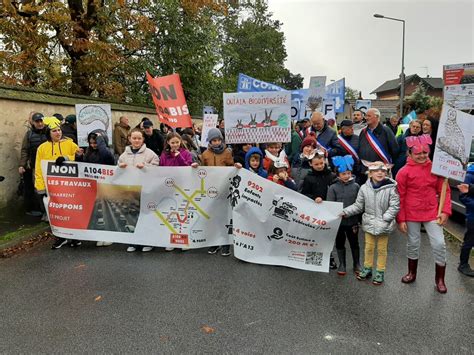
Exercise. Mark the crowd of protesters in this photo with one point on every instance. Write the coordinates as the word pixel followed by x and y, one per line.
pixel 376 170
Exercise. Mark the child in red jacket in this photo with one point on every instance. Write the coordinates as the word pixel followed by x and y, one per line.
pixel 419 190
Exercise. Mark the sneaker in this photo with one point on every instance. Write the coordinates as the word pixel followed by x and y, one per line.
pixel 59 242
pixel 75 243
pixel 213 250
pixel 332 263
pixel 131 249
pixel 103 244
pixel 378 278
pixel 225 250
pixel 465 269
pixel 365 274
pixel 147 249
pixel 169 249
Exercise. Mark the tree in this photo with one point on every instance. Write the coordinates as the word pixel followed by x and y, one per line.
pixel 351 94
pixel 86 43
pixel 418 100
pixel 291 81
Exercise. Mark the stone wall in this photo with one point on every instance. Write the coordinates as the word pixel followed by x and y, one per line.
pixel 15 107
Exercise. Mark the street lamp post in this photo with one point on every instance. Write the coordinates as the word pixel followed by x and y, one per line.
pixel 402 79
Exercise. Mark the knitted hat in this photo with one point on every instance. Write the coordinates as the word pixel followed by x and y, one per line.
pixel 71 119
pixel 309 140
pixel 213 134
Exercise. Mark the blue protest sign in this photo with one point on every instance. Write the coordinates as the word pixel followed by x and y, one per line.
pixel 336 90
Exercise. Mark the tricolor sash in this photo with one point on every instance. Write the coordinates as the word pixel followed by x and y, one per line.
pixel 377 146
pixel 346 145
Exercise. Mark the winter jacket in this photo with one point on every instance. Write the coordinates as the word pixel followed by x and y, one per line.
pixel 292 149
pixel 51 151
pixel 100 155
pixel 468 199
pixel 69 132
pixel 300 167
pixel 261 171
pixel 419 192
pixel 155 142
pixel 379 206
pixel 345 192
pixel 120 137
pixel 327 137
pixel 386 138
pixel 354 143
pixel 289 183
pixel 209 158
pixel 184 158
pixel 316 183
pixel 31 141
pixel 144 155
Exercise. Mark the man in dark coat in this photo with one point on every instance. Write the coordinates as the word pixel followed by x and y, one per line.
pixel 384 136
pixel 153 139
pixel 325 135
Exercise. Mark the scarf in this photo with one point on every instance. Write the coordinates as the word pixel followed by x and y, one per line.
pixel 216 150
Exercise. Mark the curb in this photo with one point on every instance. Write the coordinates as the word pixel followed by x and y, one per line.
pixel 19 240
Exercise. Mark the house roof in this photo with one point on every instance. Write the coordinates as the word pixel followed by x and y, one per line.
pixel 435 83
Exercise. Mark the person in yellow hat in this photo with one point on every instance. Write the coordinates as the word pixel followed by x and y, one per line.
pixel 57 149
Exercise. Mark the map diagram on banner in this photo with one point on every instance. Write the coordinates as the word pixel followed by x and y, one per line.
pixel 183 210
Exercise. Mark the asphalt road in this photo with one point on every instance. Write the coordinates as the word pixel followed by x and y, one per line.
pixel 104 300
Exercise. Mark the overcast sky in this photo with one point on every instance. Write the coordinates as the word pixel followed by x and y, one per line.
pixel 342 38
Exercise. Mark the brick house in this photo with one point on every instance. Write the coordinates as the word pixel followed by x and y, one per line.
pixel 390 90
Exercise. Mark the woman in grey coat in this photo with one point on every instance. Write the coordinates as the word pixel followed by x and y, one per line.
pixel 379 201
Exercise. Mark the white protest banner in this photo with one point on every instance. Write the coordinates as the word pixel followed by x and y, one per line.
pixel 156 206
pixel 454 143
pixel 257 117
pixel 278 226
pixel 90 117
pixel 186 207
pixel 208 121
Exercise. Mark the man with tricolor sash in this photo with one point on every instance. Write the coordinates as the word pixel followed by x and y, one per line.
pixel 377 142
pixel 349 145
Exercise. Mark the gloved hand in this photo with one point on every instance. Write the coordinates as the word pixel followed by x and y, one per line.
pixel 60 160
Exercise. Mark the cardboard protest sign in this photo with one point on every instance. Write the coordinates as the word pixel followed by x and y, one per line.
pixel 90 117
pixel 169 100
pixel 337 91
pixel 459 85
pixel 257 117
pixel 454 144
pixel 363 105
pixel 209 121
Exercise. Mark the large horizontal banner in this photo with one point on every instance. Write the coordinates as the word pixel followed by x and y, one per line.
pixel 454 144
pixel 257 117
pixel 276 226
pixel 194 208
